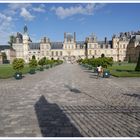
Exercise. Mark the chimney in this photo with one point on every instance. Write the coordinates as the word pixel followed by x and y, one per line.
pixel 105 40
pixel 74 37
pixel 65 35
pixel 65 40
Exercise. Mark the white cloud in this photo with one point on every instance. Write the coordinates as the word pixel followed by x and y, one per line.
pixel 6 23
pixel 87 9
pixel 40 8
pixel 11 14
pixel 16 6
pixel 4 18
pixel 26 14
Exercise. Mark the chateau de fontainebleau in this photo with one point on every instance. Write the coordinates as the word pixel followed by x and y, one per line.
pixel 122 47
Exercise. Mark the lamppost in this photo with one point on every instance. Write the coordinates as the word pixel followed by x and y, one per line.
pixel 86 47
pixel 118 51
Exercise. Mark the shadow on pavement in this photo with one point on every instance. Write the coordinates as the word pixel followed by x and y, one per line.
pixel 52 120
pixel 91 121
pixel 132 95
pixel 75 90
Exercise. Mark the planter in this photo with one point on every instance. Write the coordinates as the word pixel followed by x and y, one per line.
pixel 32 71
pixel 47 67
pixel 90 67
pixel 41 69
pixel 95 70
pixel 106 74
pixel 18 75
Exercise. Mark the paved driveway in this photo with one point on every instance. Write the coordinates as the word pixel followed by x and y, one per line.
pixel 69 101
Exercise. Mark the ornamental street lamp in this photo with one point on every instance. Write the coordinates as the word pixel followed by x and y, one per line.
pixel 118 51
pixel 86 47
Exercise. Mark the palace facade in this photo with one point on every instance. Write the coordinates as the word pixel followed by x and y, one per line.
pixel 123 47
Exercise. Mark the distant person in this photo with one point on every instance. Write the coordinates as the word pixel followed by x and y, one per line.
pixel 99 71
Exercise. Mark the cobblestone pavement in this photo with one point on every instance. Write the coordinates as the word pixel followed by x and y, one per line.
pixel 68 100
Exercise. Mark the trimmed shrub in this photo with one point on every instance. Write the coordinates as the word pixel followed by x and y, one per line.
pixel 138 64
pixel 18 64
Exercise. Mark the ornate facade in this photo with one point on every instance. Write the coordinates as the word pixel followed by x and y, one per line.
pixel 71 50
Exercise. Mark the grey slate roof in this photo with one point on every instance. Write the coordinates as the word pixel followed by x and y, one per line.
pixel 80 42
pixel 103 42
pixel 34 46
pixel 2 47
pixel 56 45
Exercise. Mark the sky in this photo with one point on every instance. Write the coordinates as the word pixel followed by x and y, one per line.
pixel 53 19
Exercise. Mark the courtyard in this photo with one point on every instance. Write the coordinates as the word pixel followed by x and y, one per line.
pixel 69 101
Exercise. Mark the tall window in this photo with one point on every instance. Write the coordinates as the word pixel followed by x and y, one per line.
pixel 89 46
pixel 47 53
pixel 89 52
pixel 47 46
pixel 52 53
pixel 95 52
pixel 56 53
pixel 124 46
pixel 60 53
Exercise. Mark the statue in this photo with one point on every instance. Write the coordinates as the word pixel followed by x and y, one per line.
pixel 25 29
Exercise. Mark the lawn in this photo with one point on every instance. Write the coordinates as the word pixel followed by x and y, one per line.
pixel 6 71
pixel 124 70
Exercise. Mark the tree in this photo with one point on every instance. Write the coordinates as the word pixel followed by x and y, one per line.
pixel 102 55
pixel 12 40
pixel 18 64
pixel 33 63
pixel 47 62
pixel 138 64
pixel 129 60
pixel 33 57
pixel 42 61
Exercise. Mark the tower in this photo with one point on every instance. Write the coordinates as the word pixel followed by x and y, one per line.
pixel 25 43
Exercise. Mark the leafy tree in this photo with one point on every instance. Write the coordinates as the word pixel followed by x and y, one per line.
pixel 12 40
pixel 79 61
pixel 42 61
pixel 105 61
pixel 18 64
pixel 33 57
pixel 102 55
pixel 47 62
pixel 129 59
pixel 33 63
pixel 138 64
pixel 52 62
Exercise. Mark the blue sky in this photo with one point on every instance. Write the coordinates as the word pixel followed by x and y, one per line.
pixel 53 19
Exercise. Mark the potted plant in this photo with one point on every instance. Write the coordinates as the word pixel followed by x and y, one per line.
pixel 41 62
pixel 47 62
pixel 18 65
pixel 32 64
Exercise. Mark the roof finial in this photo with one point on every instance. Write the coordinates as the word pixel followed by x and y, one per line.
pixel 25 29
